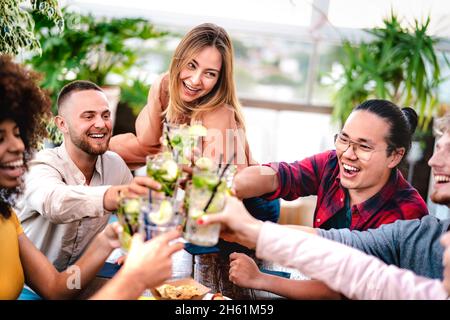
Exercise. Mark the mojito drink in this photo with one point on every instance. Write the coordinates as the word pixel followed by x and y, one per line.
pixel 129 212
pixel 163 169
pixel 159 217
pixel 201 189
pixel 181 140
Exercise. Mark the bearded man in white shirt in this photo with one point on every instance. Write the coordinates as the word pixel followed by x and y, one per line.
pixel 71 190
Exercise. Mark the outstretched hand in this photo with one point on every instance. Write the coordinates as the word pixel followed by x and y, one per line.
pixel 150 263
pixel 139 186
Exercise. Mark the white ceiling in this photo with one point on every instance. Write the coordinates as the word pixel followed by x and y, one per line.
pixel 276 16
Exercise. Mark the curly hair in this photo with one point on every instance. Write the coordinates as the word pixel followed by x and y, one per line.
pixel 24 102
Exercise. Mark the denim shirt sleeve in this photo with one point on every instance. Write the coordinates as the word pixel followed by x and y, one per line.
pixel 343 269
pixel 382 242
pixel 410 244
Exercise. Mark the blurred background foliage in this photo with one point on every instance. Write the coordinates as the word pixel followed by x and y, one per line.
pixel 17 24
pixel 101 50
pixel 398 64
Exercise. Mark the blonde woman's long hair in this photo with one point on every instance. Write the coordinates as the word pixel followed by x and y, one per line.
pixel 224 92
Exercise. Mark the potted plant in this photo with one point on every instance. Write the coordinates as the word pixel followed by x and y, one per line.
pixel 92 48
pixel 17 24
pixel 133 98
pixel 397 64
pixel 17 34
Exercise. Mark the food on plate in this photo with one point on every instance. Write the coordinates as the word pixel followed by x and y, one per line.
pixel 186 291
pixel 218 296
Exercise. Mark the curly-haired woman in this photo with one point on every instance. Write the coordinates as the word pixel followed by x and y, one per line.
pixel 23 107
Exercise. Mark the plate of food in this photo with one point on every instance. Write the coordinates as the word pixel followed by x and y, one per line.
pixel 215 296
pixel 181 289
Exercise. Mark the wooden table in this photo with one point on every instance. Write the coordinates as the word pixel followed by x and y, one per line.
pixel 211 270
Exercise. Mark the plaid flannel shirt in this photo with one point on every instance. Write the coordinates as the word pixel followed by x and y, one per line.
pixel 319 175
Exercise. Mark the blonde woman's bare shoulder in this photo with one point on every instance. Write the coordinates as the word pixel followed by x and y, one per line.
pixel 164 80
pixel 223 110
pixel 221 116
pixel 158 94
pixel 164 89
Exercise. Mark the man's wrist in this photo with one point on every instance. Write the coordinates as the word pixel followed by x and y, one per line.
pixel 264 281
pixel 260 280
pixel 110 198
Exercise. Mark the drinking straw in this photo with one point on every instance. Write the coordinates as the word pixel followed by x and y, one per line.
pixel 175 191
pixel 218 183
pixel 167 135
pixel 146 222
pixel 220 162
pixel 128 224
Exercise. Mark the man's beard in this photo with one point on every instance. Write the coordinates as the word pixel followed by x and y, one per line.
pixel 441 197
pixel 84 145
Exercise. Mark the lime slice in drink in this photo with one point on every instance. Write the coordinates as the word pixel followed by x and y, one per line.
pixel 223 187
pixel 204 163
pixel 132 206
pixel 217 203
pixel 125 240
pixel 171 169
pixel 198 182
pixel 211 182
pixel 163 215
pixel 197 130
pixel 195 213
pixel 176 140
pixel 165 155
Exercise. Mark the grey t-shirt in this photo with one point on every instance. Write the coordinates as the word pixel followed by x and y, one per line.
pixel 408 244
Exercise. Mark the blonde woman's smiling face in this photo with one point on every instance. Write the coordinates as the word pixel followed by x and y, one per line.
pixel 201 74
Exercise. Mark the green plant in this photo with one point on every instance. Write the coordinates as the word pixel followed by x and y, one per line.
pixel 17 24
pixel 135 95
pixel 54 135
pixel 398 64
pixel 90 48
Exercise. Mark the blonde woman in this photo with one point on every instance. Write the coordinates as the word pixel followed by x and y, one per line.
pixel 199 87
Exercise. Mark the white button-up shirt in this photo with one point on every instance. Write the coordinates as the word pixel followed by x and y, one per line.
pixel 58 211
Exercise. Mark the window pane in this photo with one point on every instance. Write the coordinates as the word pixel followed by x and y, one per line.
pixel 444 88
pixel 271 68
pixel 327 71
